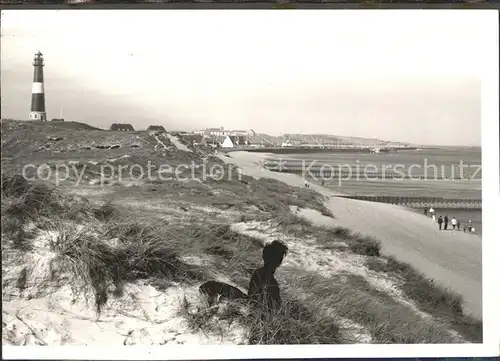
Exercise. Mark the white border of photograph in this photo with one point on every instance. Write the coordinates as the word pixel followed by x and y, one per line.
pixel 491 269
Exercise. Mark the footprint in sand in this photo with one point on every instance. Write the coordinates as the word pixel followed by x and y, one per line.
pixel 164 342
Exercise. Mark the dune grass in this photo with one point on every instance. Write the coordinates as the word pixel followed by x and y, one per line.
pixel 117 245
pixel 113 248
pixel 329 238
pixel 353 298
pixel 432 298
pixel 296 322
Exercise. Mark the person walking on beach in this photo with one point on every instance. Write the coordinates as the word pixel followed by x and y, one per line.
pixel 458 225
pixel 440 222
pixel 445 223
pixel 431 212
pixel 425 210
pixel 468 227
pixel 453 222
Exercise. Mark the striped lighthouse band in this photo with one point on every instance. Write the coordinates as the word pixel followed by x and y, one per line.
pixel 38 73
pixel 37 90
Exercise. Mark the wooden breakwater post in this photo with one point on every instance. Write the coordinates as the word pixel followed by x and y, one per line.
pixel 420 202
pixel 336 173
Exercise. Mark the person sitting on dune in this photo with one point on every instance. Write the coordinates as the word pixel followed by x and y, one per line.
pixel 264 290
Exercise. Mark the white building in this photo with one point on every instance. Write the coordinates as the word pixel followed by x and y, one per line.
pixel 227 143
pixel 221 132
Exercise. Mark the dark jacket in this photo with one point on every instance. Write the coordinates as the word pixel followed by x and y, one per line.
pixel 264 290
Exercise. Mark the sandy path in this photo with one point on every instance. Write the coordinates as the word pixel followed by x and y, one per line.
pixel 175 141
pixel 451 258
pixel 252 165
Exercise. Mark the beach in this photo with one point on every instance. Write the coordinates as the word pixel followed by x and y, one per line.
pixel 453 259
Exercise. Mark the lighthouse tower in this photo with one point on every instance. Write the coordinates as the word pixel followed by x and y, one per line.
pixel 37 93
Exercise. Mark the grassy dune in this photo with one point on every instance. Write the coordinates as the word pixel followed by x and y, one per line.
pixel 169 236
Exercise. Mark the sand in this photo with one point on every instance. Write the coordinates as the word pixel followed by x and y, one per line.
pixel 451 258
pixel 56 316
pixel 148 316
pixel 177 143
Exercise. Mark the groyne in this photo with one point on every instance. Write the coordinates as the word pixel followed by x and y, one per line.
pixel 421 202
pixel 338 173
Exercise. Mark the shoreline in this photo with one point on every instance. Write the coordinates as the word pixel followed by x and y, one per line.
pixel 454 262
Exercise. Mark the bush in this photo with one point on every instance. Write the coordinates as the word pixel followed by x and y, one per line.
pixel 294 224
pixel 365 246
pixel 376 264
pixel 15 186
pixel 39 199
pixel 341 232
pixel 357 243
pixel 295 323
pixel 105 212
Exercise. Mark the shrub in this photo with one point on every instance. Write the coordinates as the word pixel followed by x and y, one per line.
pixel 357 243
pixel 341 232
pixel 15 186
pixel 295 323
pixel 105 212
pixel 366 246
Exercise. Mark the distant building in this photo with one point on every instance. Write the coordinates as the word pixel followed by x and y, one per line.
pixel 221 132
pixel 156 128
pixel 239 140
pixel 210 141
pixel 227 143
pixel 218 137
pixel 122 127
pixel 239 133
pixel 231 141
pixel 215 132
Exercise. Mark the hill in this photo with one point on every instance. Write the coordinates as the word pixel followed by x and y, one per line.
pixel 94 258
pixel 326 139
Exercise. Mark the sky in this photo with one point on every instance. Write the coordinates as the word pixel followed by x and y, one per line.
pixel 412 76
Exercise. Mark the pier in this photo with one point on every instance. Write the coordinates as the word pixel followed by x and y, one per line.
pixel 306 150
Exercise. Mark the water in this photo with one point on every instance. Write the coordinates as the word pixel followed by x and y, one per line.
pixel 428 163
pixel 446 163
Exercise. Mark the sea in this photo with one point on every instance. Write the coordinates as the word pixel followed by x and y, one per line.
pixel 427 166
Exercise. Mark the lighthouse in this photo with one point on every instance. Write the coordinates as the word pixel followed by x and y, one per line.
pixel 38 93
